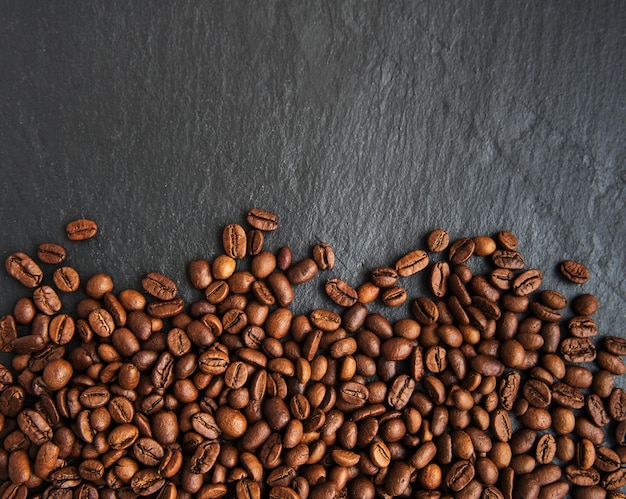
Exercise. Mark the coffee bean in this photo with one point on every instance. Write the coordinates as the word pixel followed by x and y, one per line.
pixel 574 271
pixel 324 256
pixel 438 240
pixel 411 263
pixel 81 229
pixel 234 240
pixel 508 259
pixel 262 219
pixel 459 475
pixel 527 282
pixel 341 292
pixel 303 271
pixel 159 286
pixel 578 350
pixel 615 345
pixel 51 253
pixel 384 277
pixel 394 296
pixel 461 250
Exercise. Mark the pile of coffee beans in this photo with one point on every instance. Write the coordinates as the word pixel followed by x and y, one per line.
pixel 488 387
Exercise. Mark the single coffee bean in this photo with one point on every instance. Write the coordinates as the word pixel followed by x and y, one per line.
pixel 578 350
pixel 585 304
pixel 303 271
pixel 234 240
pixel 507 240
pixel 574 271
pixel 461 250
pixel 46 300
pixel 607 460
pixel 51 253
pixel 615 345
pixel 324 256
pixel 394 296
pixel 508 259
pixel 23 268
pixel 412 263
pixel 262 219
pixel 568 396
pixel 617 404
pixel 159 286
pixel 459 475
pixel 581 477
pixel 527 282
pixel 81 229
pixel 384 277
pixel 438 240
pixel 340 292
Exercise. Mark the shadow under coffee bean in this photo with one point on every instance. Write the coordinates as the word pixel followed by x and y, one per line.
pixel 486 388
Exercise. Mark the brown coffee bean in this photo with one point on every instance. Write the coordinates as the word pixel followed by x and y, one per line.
pixel 574 271
pixel 508 259
pixel 424 310
pixel 23 268
pixel 234 240
pixel 159 286
pixel 459 475
pixel 46 300
pixel 546 448
pixel 51 253
pixel 340 292
pixel 568 396
pixel 537 393
pixel 461 250
pixel 324 256
pixel 614 480
pixel 578 350
pixel 615 345
pixel 380 455
pixel 303 271
pixel 400 391
pixel 606 459
pixel 437 240
pixel 581 477
pixel 81 229
pixel 262 219
pixel 527 282
pixel 412 263
pixel 394 296
pixel 384 277
pixel 398 478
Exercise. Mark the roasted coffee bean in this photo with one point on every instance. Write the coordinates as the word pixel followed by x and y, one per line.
pixel 568 396
pixel 51 253
pixel 262 219
pixel 578 350
pixel 412 263
pixel 438 240
pixel 615 345
pixel 527 282
pixel 508 259
pixel 394 296
pixel 461 250
pixel 234 240
pixel 459 475
pixel 574 271
pixel 159 286
pixel 24 269
pixel 81 229
pixel 324 256
pixel 303 271
pixel 384 277
pixel 340 292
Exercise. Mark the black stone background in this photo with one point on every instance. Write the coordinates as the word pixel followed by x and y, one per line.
pixel 363 124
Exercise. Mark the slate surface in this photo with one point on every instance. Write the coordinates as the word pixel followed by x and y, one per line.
pixel 363 124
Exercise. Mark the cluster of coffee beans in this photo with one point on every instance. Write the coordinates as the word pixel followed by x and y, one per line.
pixel 483 390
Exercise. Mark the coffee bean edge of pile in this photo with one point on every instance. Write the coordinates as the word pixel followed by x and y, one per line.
pixel 484 390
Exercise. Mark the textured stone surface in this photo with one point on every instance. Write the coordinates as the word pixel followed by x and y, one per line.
pixel 363 124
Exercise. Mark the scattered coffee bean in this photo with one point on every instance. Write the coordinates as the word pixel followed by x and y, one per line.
pixel 475 395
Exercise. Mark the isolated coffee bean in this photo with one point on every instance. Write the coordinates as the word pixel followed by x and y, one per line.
pixel 81 229
pixel 51 253
pixel 574 271
pixel 340 292
pixel 262 219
